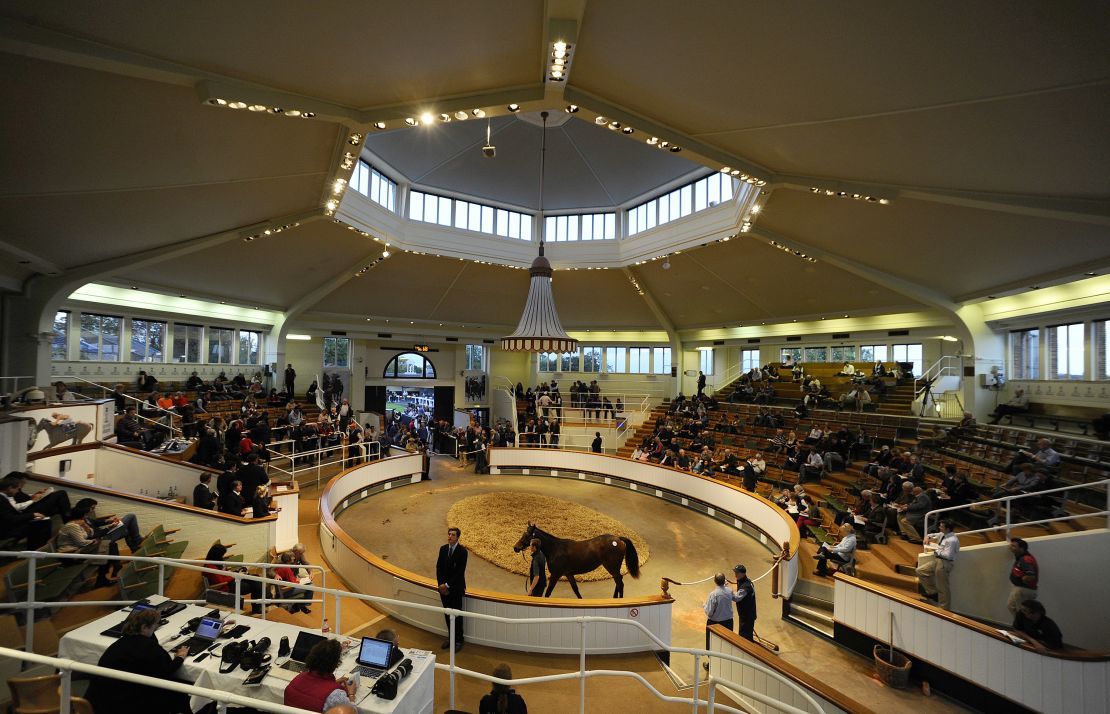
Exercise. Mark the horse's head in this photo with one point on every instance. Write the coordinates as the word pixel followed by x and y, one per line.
pixel 525 539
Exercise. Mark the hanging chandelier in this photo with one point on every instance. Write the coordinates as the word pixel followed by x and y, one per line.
pixel 539 329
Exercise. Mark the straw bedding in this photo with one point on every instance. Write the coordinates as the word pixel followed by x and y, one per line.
pixel 492 523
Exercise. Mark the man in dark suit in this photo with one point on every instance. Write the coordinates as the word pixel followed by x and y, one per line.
pixel 252 475
pixel 19 523
pixel 232 502
pixel 451 576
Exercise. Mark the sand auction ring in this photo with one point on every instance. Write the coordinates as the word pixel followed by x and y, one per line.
pixel 493 523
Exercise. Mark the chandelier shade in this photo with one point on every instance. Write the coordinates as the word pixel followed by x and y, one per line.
pixel 539 329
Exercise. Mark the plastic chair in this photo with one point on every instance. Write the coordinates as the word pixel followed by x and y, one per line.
pixel 40 695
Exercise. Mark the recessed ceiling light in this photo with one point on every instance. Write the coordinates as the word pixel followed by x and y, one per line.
pixel 237 105
pixel 218 102
pixel 571 108
pixel 445 117
pixel 479 113
pixel 601 120
pixel 513 107
pixel 627 130
pixel 1090 275
pixel 427 118
pixel 257 108
pixel 293 112
pixel 411 121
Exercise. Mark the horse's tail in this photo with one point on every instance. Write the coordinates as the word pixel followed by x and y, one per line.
pixel 631 558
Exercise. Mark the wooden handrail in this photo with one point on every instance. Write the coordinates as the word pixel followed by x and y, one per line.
pixel 796 675
pixel 968 623
pixel 377 562
pixel 64 483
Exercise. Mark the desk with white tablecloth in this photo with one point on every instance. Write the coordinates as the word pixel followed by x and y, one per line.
pixel 414 695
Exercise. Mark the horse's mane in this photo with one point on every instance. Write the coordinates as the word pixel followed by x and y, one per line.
pixel 540 532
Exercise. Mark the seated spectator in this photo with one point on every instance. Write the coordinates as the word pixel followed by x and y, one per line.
pixel 16 523
pixel 912 521
pixel 966 426
pixel 113 528
pixel 193 382
pixel 232 502
pixel 1019 404
pixel 1045 457
pixel 62 393
pixel 809 514
pixel 1032 624
pixel 390 636
pixel 813 467
pixel 77 536
pixel 218 578
pixel 46 501
pixel 842 552
pixel 137 651
pixel 262 502
pixel 129 432
pixel 1024 481
pixel 502 698
pixel 287 573
pixel 848 370
pixel 317 689
pixel 202 493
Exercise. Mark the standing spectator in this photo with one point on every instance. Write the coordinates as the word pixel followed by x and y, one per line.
pixel 595 447
pixel 718 606
pixel 502 698
pixel 146 382
pixel 537 573
pixel 1023 576
pixel 202 493
pixel 701 382
pixel 451 576
pixel 290 380
pixel 933 576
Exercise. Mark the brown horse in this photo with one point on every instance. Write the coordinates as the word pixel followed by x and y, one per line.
pixel 573 557
pixel 69 430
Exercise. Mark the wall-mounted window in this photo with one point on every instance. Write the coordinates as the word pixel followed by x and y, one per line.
pixel 409 365
pixel 100 337
pixel 591 359
pixel 59 343
pixel 794 353
pixel 371 183
pixel 186 342
pixel 639 360
pixel 337 352
pixel 469 216
pixel 220 340
pixel 1025 354
pixel 661 360
pixel 614 360
pixel 1065 351
pixel 569 362
pixel 749 360
pixel 250 347
pixel 475 357
pixel 148 341
pixel 844 353
pixel 910 353
pixel 591 226
pixel 816 354
pixel 698 196
pixel 873 353
pixel 548 361
pixel 1101 346
pixel 705 361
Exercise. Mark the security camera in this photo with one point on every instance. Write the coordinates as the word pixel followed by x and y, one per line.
pixel 489 151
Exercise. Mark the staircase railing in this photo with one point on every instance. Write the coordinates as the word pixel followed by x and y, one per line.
pixel 731 375
pixel 946 366
pixel 1007 520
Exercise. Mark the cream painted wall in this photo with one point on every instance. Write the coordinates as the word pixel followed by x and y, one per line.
pixel 1072 583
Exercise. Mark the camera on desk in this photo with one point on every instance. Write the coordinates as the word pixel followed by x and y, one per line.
pixel 386 686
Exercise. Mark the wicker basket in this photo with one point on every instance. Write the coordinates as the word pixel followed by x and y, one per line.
pixel 893 667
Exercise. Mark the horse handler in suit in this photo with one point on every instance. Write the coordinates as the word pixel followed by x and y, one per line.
pixel 451 576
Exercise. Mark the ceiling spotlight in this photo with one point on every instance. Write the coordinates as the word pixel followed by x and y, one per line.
pixel 218 102
pixel 445 117
pixel 379 125
pixel 600 120
pixel 385 253
pixel 653 140
pixel 479 113
pixel 726 169
pixel 571 108
pixel 257 108
pixel 513 107
pixel 556 72
pixel 756 208
pixel 411 121
pixel 427 118
pixel 237 105
pixel 1090 275
pixel 293 112
pixel 627 130
pixel 676 149
pixel 308 115
pixel 461 115
pixel 614 125
pixel 277 110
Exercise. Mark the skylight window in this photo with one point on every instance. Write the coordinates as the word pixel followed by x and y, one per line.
pixel 469 216
pixel 691 198
pixel 374 185
pixel 589 226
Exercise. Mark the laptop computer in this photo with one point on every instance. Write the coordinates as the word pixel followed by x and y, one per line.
pixel 305 642
pixel 208 629
pixel 116 630
pixel 374 656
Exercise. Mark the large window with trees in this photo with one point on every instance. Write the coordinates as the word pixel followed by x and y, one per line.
pixel 250 347
pixel 873 353
pixel 337 352
pixel 816 354
pixel 219 345
pixel 100 337
pixel 791 353
pixel 186 342
pixel 910 353
pixel 844 353
pixel 591 359
pixel 569 362
pixel 614 359
pixel 548 361
pixel 475 357
pixel 148 341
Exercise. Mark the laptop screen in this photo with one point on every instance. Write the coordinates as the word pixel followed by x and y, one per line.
pixel 375 653
pixel 209 628
pixel 305 642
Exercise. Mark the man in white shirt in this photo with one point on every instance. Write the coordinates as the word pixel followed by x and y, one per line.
pixel 813 468
pixel 932 576
pixel 1018 405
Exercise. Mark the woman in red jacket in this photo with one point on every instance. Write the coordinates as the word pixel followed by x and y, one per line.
pixel 317 689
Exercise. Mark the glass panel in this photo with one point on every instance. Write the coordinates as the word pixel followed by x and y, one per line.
pixel 410 365
pixel 249 344
pixel 487 219
pixel 591 359
pixel 525 227
pixel 588 228
pixel 664 210
pixel 816 354
pixel 1025 354
pixel 548 361
pixel 569 362
pixel 611 226
pixel 148 341
pixel 686 198
pixel 749 359
pixel 792 353
pixel 219 345
pixel 844 353
pixel 873 353
pixel 639 360
pixel 705 362
pixel 715 189
pixel 700 191
pixel 661 360
pixel 90 336
pixel 614 359
pixel 337 352
pixel 59 349
pixel 502 222
pixel 416 206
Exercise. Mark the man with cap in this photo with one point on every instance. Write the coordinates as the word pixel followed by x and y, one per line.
pixel 745 602
pixel 718 607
